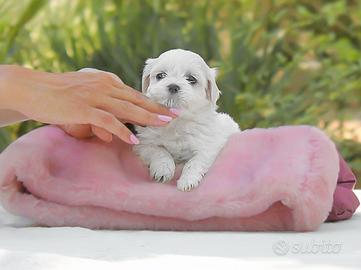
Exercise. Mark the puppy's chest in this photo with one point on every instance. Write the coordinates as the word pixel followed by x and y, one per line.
pixel 180 140
pixel 181 150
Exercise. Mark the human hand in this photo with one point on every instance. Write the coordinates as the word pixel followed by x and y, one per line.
pixel 83 103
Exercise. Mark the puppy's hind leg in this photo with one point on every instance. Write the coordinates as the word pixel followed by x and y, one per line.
pixel 160 162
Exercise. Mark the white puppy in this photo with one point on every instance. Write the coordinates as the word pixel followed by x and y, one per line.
pixel 181 79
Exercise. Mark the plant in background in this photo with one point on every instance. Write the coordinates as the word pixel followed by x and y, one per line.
pixel 280 62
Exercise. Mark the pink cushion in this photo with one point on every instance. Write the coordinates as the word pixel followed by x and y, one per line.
pixel 264 179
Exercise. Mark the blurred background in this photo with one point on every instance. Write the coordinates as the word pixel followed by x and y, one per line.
pixel 280 62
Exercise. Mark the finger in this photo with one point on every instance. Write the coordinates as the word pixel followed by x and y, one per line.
pixel 110 123
pixel 131 113
pixel 102 134
pixel 131 95
pixel 125 92
pixel 77 131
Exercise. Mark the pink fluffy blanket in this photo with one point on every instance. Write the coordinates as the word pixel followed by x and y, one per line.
pixel 264 179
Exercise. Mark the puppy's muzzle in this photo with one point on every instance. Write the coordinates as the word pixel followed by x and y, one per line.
pixel 173 88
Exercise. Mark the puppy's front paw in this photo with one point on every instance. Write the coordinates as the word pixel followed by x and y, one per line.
pixel 188 183
pixel 162 170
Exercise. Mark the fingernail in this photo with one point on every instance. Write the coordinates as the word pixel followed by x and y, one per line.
pixel 176 111
pixel 134 139
pixel 165 118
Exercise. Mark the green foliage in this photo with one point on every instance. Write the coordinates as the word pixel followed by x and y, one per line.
pixel 280 62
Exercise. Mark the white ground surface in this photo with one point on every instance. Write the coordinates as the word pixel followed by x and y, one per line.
pixel 334 246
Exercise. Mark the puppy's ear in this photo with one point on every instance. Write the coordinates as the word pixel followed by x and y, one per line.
pixel 146 73
pixel 212 90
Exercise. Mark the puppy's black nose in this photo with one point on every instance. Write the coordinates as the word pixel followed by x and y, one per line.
pixel 173 88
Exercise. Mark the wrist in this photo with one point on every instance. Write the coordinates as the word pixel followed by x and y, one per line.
pixel 20 86
pixel 9 86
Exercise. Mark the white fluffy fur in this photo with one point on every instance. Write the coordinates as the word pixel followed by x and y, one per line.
pixel 198 134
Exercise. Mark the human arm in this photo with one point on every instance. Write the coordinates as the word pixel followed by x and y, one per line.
pixel 98 100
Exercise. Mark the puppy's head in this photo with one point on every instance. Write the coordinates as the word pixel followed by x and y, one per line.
pixel 181 79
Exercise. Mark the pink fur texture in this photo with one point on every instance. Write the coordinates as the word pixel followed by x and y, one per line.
pixel 264 179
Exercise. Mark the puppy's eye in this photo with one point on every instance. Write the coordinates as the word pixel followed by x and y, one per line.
pixel 161 75
pixel 191 79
